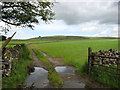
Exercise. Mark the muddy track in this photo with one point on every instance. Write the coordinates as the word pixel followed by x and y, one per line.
pixel 38 74
pixel 71 78
pixel 77 78
pixel 36 62
pixel 55 61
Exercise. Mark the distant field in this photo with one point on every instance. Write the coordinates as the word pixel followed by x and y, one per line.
pixel 55 38
pixel 22 41
pixel 27 41
pixel 74 52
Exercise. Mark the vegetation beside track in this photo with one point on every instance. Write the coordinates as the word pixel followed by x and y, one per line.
pixel 19 70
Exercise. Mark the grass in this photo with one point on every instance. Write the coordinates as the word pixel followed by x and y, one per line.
pixel 105 77
pixel 75 52
pixel 27 41
pixel 53 76
pixel 108 76
pixel 19 70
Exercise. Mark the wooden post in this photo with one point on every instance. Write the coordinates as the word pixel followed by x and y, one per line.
pixel 6 43
pixel 118 71
pixel 89 59
pixel 92 59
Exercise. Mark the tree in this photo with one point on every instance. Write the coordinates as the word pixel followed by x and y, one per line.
pixel 24 14
pixel 2 38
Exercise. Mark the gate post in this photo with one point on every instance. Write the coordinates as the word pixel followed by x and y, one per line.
pixel 89 59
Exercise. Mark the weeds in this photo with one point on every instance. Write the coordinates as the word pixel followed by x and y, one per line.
pixel 106 77
pixel 19 70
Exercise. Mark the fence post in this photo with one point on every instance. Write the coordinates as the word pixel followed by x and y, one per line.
pixel 118 71
pixel 89 59
pixel 5 44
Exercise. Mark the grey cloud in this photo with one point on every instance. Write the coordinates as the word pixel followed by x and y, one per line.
pixel 119 13
pixel 81 12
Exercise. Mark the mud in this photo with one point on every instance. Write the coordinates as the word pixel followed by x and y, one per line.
pixel 36 62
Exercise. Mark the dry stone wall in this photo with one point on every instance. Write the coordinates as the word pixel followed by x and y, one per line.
pixel 105 65
pixel 110 57
pixel 9 55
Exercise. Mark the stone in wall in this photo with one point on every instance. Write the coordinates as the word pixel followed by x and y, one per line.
pixel 10 54
pixel 107 61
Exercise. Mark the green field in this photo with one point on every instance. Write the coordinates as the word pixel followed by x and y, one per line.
pixel 74 52
pixel 27 41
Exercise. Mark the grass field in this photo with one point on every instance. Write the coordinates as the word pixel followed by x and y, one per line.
pixel 27 41
pixel 75 52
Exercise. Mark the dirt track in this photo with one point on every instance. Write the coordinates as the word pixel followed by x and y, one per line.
pixel 84 79
pixel 55 61
pixel 36 62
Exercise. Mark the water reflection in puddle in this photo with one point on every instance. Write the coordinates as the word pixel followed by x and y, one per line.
pixel 39 77
pixel 65 69
pixel 70 79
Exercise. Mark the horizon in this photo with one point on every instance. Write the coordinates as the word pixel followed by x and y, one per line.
pixel 92 19
pixel 63 36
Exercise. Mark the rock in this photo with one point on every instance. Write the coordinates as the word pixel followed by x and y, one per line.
pixel 107 61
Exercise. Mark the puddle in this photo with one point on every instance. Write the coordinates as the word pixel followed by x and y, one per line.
pixel 39 78
pixel 65 70
pixel 69 77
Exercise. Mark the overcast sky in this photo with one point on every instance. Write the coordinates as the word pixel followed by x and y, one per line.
pixel 99 19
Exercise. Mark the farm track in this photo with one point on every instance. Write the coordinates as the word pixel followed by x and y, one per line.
pixel 89 83
pixel 77 78
pixel 40 78
pixel 55 61
pixel 36 62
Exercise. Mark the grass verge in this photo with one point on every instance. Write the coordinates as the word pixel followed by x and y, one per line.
pixel 19 70
pixel 106 77
pixel 53 76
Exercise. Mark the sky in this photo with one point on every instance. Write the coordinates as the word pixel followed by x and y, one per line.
pixel 95 19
